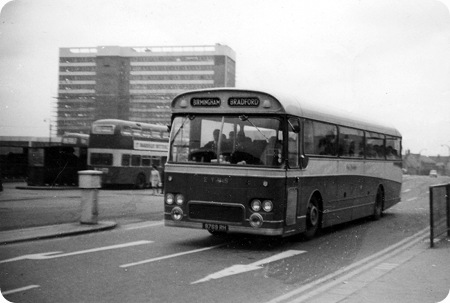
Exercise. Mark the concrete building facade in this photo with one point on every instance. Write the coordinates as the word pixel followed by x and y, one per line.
pixel 134 83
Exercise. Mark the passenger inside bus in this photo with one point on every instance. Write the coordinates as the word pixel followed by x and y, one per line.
pixel 212 145
pixel 245 151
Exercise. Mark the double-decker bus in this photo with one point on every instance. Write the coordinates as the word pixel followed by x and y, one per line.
pixel 250 162
pixel 59 163
pixel 125 151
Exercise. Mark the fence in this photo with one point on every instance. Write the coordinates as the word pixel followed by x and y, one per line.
pixel 439 211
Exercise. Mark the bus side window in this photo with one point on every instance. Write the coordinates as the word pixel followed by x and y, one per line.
pixel 146 161
pixel 320 138
pixel 308 137
pixel 135 160
pixel 126 160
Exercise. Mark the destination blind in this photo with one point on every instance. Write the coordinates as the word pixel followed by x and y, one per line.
pixel 243 102
pixel 205 102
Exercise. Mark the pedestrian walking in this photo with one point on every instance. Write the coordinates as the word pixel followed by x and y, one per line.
pixel 155 179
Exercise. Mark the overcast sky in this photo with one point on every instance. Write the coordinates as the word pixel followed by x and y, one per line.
pixel 386 59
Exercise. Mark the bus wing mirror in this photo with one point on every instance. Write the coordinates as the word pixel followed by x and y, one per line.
pixel 304 160
pixel 169 127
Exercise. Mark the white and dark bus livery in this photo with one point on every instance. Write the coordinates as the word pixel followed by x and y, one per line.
pixel 250 162
pixel 125 151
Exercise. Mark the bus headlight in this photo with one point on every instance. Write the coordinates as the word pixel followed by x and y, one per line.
pixel 177 213
pixel 255 205
pixel 179 199
pixel 170 199
pixel 267 205
pixel 256 220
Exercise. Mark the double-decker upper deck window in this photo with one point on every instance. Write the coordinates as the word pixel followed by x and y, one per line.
pixel 241 140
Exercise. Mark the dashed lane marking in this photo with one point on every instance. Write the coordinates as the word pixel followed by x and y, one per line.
pixel 143 225
pixel 171 256
pixel 58 254
pixel 8 292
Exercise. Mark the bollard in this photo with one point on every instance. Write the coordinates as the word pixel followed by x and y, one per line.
pixel 89 183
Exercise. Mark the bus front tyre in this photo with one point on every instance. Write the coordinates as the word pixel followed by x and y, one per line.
pixel 313 219
pixel 140 181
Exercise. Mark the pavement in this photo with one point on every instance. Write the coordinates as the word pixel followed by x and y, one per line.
pixel 52 231
pixel 411 273
pixel 417 274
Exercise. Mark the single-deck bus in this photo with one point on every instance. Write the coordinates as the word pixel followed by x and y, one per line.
pixel 125 151
pixel 251 162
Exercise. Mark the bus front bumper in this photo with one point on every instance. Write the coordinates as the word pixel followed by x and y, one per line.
pixel 231 228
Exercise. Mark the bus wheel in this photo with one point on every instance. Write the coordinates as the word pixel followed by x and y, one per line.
pixel 313 219
pixel 140 181
pixel 378 208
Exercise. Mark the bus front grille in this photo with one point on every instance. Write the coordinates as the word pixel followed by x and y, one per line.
pixel 216 212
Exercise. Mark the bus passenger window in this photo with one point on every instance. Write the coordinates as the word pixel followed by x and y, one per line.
pixel 101 159
pixel 351 142
pixel 393 148
pixel 374 145
pixel 146 161
pixel 320 138
pixel 125 160
pixel 135 160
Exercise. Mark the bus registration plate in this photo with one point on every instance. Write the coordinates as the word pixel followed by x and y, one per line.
pixel 215 227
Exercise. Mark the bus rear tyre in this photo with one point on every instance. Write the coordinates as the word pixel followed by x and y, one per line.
pixel 140 182
pixel 313 219
pixel 378 207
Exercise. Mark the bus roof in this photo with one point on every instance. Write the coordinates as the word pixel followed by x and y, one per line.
pixel 233 100
pixel 77 135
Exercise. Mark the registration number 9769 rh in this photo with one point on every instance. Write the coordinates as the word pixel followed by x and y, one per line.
pixel 215 227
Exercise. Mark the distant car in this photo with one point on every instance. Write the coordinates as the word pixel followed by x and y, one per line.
pixel 433 173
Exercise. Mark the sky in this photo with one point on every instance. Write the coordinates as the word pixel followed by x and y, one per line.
pixel 384 59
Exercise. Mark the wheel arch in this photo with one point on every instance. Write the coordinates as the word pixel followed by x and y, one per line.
pixel 317 194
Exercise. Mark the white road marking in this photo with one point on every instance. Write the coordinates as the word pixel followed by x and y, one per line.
pixel 19 289
pixel 406 190
pixel 411 199
pixel 241 268
pixel 54 254
pixel 171 256
pixel 143 225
